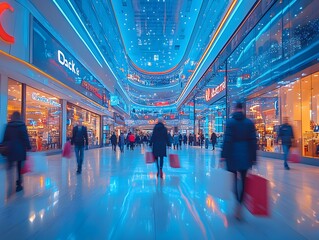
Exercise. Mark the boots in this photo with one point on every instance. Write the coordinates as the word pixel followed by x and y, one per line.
pixel 161 173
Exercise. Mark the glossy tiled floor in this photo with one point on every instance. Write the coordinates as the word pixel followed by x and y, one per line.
pixel 118 197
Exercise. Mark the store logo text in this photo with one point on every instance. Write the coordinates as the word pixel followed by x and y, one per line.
pixel 3 34
pixel 36 97
pixel 212 92
pixel 69 64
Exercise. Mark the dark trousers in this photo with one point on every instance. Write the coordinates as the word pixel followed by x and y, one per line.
pixel 160 165
pixel 286 149
pixel 213 143
pixel 239 193
pixel 114 147
pixel 79 154
pixel 132 145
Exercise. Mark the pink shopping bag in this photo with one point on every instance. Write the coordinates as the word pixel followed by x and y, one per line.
pixel 149 157
pixel 174 161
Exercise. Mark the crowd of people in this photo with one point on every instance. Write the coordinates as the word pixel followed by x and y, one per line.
pixel 238 149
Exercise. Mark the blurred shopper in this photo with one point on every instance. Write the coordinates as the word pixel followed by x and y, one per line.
pixel 122 142
pixel 79 139
pixel 213 139
pixel 159 141
pixel 175 141
pixel 286 136
pixel 113 141
pixel 170 140
pixel 17 143
pixel 185 139
pixel 239 150
pixel 131 139
pixel 180 139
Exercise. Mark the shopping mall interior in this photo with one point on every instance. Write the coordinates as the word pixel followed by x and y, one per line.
pixel 123 66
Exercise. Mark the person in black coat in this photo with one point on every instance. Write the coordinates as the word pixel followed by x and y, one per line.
pixel 239 150
pixel 79 139
pixel 159 141
pixel 213 139
pixel 114 141
pixel 17 142
pixel 286 135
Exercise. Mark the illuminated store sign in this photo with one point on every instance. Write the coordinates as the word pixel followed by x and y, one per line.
pixel 3 34
pixel 43 99
pixel 212 92
pixel 50 56
pixel 69 64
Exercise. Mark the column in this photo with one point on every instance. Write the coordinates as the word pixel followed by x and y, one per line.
pixel 64 121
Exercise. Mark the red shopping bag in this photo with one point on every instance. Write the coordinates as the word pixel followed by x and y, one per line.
pixel 174 161
pixel 27 166
pixel 149 157
pixel 67 150
pixel 294 156
pixel 256 195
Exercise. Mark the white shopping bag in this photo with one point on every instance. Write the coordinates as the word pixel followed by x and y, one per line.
pixel 220 183
pixel 39 162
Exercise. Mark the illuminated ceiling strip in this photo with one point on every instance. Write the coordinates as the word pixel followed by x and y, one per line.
pixel 148 72
pixel 79 35
pixel 50 77
pixel 221 25
pixel 144 87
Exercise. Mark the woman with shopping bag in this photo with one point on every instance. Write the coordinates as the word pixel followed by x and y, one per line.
pixel 239 150
pixel 159 141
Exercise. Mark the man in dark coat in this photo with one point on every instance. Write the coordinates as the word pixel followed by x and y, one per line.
pixel 17 142
pixel 114 141
pixel 159 141
pixel 286 135
pixel 213 139
pixel 239 150
pixel 79 135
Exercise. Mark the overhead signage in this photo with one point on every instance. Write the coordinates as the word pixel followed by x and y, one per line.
pixel 212 92
pixel 6 37
pixel 51 57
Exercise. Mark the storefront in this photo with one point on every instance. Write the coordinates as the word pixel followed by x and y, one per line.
pixel 275 71
pixel 42 114
pixel 91 120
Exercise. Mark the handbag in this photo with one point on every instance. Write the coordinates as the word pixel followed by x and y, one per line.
pixel 67 153
pixel 27 166
pixel 256 198
pixel 174 161
pixel 294 156
pixel 149 157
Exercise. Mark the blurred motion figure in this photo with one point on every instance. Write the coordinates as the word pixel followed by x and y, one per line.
pixel 17 142
pixel 239 150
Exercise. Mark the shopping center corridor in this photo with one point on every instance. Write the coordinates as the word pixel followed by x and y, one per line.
pixel 118 196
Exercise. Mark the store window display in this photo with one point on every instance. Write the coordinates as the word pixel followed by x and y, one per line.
pixel 91 120
pixel 14 97
pixel 43 116
pixel 264 111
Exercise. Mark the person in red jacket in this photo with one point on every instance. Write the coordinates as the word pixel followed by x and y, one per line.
pixel 131 139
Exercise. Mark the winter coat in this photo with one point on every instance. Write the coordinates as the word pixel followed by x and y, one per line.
pixel 175 139
pixel 17 141
pixel 131 138
pixel 121 140
pixel 113 139
pixel 213 138
pixel 286 134
pixel 79 136
pixel 240 143
pixel 159 140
